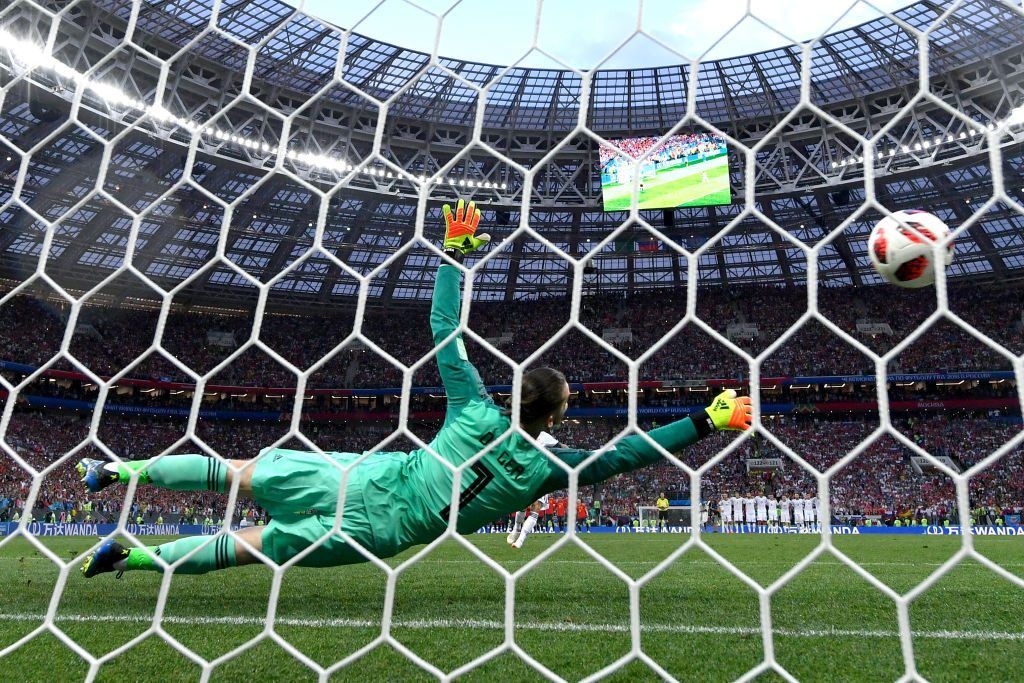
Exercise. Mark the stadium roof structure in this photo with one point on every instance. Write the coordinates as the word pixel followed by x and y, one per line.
pixel 807 174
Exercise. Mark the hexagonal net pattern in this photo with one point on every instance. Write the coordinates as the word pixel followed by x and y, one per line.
pixel 31 57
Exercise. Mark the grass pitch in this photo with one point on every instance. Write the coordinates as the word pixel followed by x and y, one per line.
pixel 572 615
pixel 674 187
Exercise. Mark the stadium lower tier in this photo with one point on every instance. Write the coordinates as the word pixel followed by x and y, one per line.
pixel 885 478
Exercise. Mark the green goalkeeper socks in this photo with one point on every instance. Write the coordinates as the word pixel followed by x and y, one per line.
pixel 125 469
pixel 216 555
pixel 178 472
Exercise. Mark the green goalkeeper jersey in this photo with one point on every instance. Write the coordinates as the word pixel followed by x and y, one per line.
pixel 406 497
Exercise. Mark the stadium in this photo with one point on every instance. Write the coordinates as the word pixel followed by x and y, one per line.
pixel 222 237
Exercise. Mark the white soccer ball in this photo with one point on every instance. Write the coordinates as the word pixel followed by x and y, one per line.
pixel 900 247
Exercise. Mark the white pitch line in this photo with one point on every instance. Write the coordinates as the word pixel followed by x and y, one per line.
pixel 682 562
pixel 564 627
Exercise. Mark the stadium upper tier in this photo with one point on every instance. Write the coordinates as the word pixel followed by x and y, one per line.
pixel 865 77
pixel 300 58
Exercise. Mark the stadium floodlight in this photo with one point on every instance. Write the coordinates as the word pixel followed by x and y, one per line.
pixel 109 94
pixel 24 53
pixel 160 113
pixel 61 69
pixel 28 55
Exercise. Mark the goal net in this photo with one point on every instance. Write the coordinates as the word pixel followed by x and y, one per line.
pixel 678 516
pixel 114 84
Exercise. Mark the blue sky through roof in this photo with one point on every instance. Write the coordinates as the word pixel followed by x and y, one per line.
pixel 582 33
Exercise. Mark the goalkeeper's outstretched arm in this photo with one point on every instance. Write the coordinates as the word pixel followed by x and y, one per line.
pixel 726 412
pixel 461 380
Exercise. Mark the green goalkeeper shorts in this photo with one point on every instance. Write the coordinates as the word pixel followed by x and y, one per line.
pixel 300 491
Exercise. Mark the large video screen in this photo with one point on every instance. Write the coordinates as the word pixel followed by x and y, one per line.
pixel 685 170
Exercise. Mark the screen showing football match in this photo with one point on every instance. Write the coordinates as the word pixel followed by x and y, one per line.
pixel 684 170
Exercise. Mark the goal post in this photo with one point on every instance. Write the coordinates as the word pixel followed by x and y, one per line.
pixel 678 516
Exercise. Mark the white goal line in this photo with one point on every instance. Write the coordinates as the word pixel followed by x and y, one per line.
pixel 491 625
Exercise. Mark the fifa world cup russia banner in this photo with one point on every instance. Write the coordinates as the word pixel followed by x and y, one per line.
pixel 949 404
pixel 642 411
pixel 98 530
pixel 576 386
pixel 74 404
pixel 89 529
pixel 913 377
pixel 837 530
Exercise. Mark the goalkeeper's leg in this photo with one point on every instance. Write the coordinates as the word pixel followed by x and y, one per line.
pixel 312 536
pixel 177 472
pixel 203 555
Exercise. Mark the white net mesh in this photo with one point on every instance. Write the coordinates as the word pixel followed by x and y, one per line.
pixel 30 32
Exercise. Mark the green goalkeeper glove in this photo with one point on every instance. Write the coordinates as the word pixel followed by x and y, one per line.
pixel 727 412
pixel 460 236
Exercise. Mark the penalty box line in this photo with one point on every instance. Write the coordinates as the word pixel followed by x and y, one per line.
pixel 521 625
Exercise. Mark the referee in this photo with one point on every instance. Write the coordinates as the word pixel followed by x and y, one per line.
pixel 662 505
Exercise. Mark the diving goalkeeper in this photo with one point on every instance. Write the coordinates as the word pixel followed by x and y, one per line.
pixel 393 501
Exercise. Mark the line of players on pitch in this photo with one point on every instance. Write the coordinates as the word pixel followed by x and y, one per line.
pixel 735 514
pixel 769 511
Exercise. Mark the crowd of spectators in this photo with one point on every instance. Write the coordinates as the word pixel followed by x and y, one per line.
pixel 675 147
pixel 109 339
